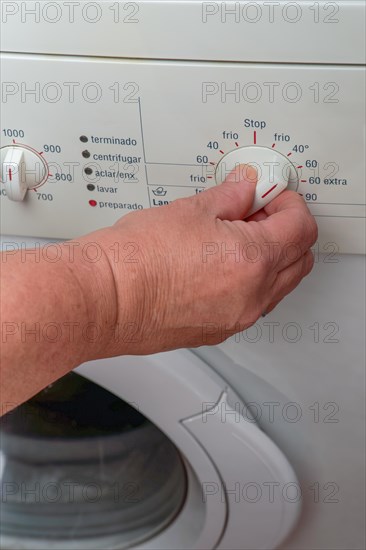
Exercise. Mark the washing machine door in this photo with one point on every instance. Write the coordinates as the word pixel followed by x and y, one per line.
pixel 232 466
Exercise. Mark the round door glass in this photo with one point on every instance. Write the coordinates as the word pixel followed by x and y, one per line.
pixel 82 469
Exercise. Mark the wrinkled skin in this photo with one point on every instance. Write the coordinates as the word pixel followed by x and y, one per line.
pixel 187 274
pixel 193 272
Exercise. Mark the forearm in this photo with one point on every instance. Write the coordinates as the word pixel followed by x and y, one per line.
pixel 54 316
pixel 157 280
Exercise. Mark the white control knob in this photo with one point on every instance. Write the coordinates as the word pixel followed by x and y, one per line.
pixel 275 172
pixel 22 168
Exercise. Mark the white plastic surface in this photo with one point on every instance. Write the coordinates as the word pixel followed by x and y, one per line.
pixel 258 31
pixel 275 172
pixel 157 130
pixel 189 402
pixel 13 175
pixel 248 463
pixel 302 370
pixel 22 169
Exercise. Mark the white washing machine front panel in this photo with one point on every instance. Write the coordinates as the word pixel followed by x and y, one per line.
pixel 301 371
pixel 130 110
pixel 140 134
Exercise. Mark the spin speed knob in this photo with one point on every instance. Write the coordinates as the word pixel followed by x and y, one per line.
pixel 22 168
pixel 275 172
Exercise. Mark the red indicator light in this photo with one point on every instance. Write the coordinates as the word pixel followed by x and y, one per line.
pixel 93 203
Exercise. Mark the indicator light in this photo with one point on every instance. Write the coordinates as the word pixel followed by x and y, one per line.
pixel 84 139
pixel 90 187
pixel 88 171
pixel 86 154
pixel 93 203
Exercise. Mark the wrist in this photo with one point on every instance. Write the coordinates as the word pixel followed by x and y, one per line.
pixel 92 275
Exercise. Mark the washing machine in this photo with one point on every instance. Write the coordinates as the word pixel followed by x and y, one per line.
pixel 258 443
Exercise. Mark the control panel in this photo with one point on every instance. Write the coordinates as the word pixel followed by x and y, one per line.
pixel 85 141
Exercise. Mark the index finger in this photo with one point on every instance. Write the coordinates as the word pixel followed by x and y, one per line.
pixel 290 226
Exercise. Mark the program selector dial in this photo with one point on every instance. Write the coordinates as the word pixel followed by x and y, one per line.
pixel 275 172
pixel 22 168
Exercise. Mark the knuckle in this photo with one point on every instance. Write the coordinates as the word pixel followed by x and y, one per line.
pixel 309 262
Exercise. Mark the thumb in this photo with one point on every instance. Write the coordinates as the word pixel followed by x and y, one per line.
pixel 232 199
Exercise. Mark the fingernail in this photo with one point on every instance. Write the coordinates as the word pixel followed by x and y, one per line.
pixel 251 173
pixel 243 172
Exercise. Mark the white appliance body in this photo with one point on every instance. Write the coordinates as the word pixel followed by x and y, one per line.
pixel 134 110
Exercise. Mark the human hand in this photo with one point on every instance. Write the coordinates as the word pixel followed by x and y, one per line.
pixel 193 272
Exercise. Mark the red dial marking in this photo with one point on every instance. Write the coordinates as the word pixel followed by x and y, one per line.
pixel 269 191
pixel 43 160
pixel 222 152
pixel 289 154
pixel 237 144
pixel 273 145
pixel 10 175
pixel 255 138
